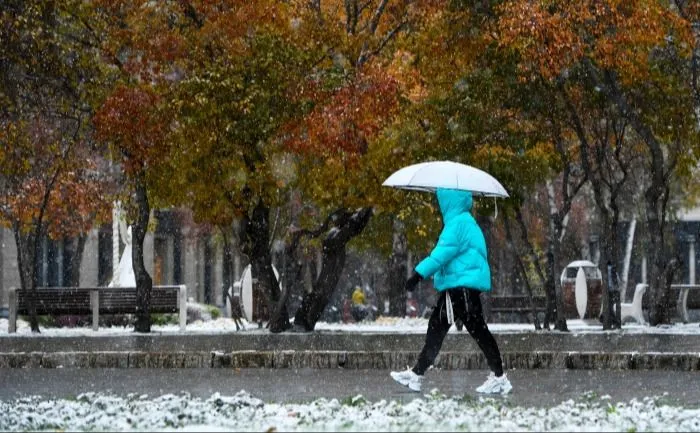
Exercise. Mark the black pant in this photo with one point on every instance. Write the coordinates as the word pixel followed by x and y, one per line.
pixel 359 312
pixel 466 306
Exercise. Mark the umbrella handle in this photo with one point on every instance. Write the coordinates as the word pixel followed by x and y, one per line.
pixel 495 204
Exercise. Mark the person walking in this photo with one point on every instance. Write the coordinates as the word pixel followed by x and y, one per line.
pixel 460 270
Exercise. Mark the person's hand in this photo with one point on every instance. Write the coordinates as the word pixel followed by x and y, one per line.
pixel 413 281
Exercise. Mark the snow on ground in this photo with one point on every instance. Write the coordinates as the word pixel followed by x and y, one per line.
pixel 381 325
pixel 428 412
pixel 244 412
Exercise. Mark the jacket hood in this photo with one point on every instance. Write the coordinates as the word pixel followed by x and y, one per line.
pixel 453 202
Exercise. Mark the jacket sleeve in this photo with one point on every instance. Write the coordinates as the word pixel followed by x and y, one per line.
pixel 446 249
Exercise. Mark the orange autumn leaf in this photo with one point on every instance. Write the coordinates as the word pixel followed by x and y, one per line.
pixel 350 118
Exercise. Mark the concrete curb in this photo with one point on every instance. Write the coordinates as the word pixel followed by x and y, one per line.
pixel 385 360
pixel 611 342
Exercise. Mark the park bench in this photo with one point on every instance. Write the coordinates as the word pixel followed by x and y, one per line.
pixel 515 303
pixel 687 297
pixel 634 309
pixel 507 306
pixel 95 301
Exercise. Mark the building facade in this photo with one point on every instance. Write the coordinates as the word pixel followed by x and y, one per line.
pixel 170 258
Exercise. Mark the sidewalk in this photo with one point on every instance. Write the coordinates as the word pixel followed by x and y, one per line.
pixel 531 388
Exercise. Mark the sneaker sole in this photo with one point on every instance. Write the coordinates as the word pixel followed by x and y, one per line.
pixel 405 383
pixel 398 380
pixel 499 392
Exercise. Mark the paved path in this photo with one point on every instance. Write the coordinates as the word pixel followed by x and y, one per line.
pixel 532 388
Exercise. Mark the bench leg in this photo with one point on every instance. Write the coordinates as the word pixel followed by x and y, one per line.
pixel 638 314
pixel 12 319
pixel 182 305
pixel 633 310
pixel 95 305
pixel 682 304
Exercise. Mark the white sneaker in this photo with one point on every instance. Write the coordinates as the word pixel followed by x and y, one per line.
pixel 495 385
pixel 408 378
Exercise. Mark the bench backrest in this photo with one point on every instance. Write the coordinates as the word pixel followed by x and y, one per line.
pixel 693 302
pixel 123 300
pixel 112 300
pixel 515 303
pixel 49 300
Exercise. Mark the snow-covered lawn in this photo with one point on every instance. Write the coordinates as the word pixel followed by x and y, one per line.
pixel 431 412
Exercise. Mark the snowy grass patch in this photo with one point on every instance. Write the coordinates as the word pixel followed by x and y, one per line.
pixel 430 412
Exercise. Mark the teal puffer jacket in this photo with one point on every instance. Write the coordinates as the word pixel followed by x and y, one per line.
pixel 459 259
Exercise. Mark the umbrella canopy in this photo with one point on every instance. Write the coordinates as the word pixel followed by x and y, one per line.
pixel 428 176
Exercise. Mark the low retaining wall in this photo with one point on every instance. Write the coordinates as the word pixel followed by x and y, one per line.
pixel 352 360
pixel 544 341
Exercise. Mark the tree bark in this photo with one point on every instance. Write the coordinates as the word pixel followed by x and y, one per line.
pixel 608 174
pixel 292 272
pixel 557 215
pixel 345 226
pixel 656 198
pixel 144 283
pixel 75 248
pixel 256 236
pixel 27 247
pixel 521 269
pixel 228 273
pixel 397 271
pixel 553 289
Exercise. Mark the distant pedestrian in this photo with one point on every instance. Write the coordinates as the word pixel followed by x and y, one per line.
pixel 460 270
pixel 359 309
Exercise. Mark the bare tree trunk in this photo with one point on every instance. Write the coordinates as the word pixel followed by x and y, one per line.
pixel 521 269
pixel 228 274
pixel 256 235
pixel 397 271
pixel 610 254
pixel 228 277
pixel 656 198
pixel 607 168
pixel 75 248
pixel 534 260
pixel 144 283
pixel 27 247
pixel 345 227
pixel 26 261
pixel 292 272
pixel 553 289
pixel 660 292
pixel 661 164
pixel 557 215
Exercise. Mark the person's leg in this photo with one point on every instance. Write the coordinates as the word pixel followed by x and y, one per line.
pixel 473 318
pixel 437 329
pixel 497 382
